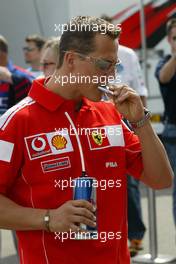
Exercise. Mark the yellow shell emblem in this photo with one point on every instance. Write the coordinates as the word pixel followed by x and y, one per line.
pixel 97 137
pixel 59 142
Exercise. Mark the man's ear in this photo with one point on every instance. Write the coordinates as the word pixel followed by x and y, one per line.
pixel 169 39
pixel 69 59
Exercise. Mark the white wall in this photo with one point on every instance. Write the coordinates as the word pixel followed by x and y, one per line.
pixel 97 7
pixel 18 18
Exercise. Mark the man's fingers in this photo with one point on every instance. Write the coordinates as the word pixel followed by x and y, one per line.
pixel 84 204
pixel 125 95
pixel 122 92
pixel 120 88
pixel 83 220
pixel 74 228
pixel 85 212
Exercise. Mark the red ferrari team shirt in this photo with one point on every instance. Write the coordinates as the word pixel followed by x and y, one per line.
pixel 40 157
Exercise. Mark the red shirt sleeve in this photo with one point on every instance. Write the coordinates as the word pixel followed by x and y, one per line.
pixel 11 154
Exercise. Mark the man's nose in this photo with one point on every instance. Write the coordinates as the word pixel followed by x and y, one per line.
pixel 112 72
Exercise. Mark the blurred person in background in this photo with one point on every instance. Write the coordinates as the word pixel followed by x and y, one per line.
pixel 32 53
pixel 49 56
pixel 166 76
pixel 15 82
pixel 129 72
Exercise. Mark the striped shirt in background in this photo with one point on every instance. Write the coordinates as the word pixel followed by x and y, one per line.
pixel 10 94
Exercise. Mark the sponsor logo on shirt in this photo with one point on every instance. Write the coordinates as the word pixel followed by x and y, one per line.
pixel 59 142
pixel 97 137
pixel 55 164
pixel 46 144
pixel 111 164
pixel 38 144
pixel 105 137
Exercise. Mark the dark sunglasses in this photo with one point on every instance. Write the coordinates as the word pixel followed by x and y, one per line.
pixel 27 49
pixel 47 64
pixel 102 64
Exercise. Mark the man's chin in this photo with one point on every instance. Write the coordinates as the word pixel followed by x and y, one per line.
pixel 95 98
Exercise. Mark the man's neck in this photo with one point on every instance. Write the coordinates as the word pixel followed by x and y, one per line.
pixel 66 90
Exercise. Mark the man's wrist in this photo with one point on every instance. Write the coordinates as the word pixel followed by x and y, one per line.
pixel 141 122
pixel 46 221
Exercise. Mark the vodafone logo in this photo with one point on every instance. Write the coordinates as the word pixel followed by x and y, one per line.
pixel 38 144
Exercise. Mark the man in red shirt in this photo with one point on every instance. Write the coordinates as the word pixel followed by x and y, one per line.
pixel 62 130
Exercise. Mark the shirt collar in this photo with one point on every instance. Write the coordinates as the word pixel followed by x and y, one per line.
pixel 51 100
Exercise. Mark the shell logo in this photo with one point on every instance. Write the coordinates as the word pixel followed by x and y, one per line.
pixel 59 142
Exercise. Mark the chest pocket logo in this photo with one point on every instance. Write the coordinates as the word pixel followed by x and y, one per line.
pixel 59 142
pixel 47 144
pixel 38 144
pixel 105 137
pixel 97 137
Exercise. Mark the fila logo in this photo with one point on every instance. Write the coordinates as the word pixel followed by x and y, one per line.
pixel 46 144
pixel 111 164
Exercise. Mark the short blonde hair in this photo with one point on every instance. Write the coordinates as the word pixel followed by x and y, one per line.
pixel 3 44
pixel 53 43
pixel 170 25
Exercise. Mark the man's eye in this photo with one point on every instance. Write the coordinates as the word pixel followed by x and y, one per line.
pixel 103 64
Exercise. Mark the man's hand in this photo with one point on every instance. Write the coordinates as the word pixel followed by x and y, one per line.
pixel 5 75
pixel 70 215
pixel 128 102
